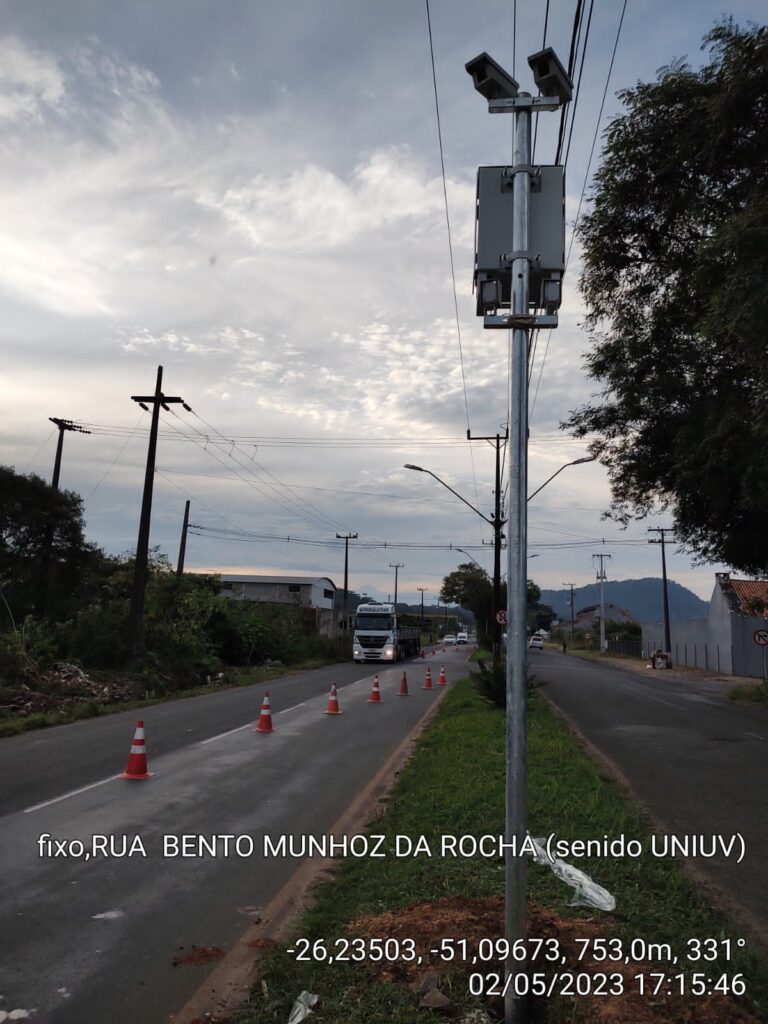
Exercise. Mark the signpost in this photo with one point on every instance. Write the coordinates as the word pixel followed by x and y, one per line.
pixel 760 636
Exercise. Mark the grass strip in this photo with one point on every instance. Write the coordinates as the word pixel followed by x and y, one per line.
pixel 454 784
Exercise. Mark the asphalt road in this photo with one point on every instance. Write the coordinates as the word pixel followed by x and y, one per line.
pixel 697 760
pixel 94 940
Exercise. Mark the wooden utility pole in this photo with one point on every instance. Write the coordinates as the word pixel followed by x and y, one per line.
pixel 136 618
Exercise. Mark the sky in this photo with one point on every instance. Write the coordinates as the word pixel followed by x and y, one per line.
pixel 251 196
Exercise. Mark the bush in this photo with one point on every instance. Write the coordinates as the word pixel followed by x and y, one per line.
pixel 492 684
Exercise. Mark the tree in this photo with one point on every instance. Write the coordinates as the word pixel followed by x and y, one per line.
pixel 675 265
pixel 471 587
pixel 29 506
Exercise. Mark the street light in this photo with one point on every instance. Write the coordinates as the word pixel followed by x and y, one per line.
pixel 576 462
pixel 419 469
pixel 496 522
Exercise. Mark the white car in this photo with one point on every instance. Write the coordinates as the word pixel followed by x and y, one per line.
pixel 462 638
pixel 449 639
pixel 536 643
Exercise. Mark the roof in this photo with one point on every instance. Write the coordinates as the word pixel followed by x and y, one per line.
pixel 237 577
pixel 752 596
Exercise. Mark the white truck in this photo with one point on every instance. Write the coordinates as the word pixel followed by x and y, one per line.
pixel 379 636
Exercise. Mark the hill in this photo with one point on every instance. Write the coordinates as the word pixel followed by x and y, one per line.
pixel 641 598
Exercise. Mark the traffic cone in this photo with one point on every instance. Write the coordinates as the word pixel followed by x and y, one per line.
pixel 375 697
pixel 441 680
pixel 265 718
pixel 333 702
pixel 404 687
pixel 137 759
pixel 428 680
pixel 433 652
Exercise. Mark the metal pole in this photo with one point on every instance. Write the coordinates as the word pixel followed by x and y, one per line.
pixel 497 561
pixel 183 544
pixel 57 460
pixel 573 610
pixel 516 683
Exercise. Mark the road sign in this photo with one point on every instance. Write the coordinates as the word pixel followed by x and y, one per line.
pixel 760 636
pixel 587 636
pixel 501 617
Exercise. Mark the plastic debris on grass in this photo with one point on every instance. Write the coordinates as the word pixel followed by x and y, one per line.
pixel 587 893
pixel 302 1008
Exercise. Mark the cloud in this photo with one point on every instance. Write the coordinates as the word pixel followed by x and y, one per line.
pixel 31 82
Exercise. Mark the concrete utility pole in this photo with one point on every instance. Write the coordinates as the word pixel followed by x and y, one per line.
pixel 136 618
pixel 504 268
pixel 183 543
pixel 45 555
pixel 662 530
pixel 573 608
pixel 346 537
pixel 422 589
pixel 396 566
pixel 601 578
pixel 497 523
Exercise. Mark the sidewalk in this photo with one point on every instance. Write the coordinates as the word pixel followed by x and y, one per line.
pixel 711 681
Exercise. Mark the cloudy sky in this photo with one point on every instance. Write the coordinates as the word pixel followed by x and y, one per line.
pixel 250 194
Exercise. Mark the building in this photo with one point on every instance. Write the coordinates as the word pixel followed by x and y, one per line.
pixel 589 617
pixel 727 639
pixel 315 593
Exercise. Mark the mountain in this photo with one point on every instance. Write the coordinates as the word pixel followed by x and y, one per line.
pixel 641 598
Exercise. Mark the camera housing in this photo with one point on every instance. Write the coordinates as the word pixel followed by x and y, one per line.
pixel 490 79
pixel 550 76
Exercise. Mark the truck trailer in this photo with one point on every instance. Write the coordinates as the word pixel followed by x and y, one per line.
pixel 379 636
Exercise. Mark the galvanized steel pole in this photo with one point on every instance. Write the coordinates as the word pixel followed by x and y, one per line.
pixel 517 631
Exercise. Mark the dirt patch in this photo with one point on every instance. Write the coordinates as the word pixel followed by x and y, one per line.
pixel 61 688
pixel 198 956
pixel 428 922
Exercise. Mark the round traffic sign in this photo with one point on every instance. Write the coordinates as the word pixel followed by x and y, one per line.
pixel 760 636
pixel 501 617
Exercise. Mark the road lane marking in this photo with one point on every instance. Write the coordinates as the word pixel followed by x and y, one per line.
pixel 753 735
pixel 247 725
pixel 650 696
pixel 66 796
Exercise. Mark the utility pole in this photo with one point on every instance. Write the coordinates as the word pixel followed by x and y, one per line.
pixel 396 566
pixel 183 544
pixel 422 589
pixel 45 554
pixel 135 621
pixel 601 578
pixel 497 524
pixel 573 609
pixel 346 537
pixel 664 530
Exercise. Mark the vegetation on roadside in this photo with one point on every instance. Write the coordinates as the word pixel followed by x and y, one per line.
pixel 750 693
pixel 436 794
pixel 64 608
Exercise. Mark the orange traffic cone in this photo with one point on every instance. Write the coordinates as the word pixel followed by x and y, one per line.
pixel 404 687
pixel 333 702
pixel 422 653
pixel 137 759
pixel 441 680
pixel 375 697
pixel 428 680
pixel 265 718
pixel 433 652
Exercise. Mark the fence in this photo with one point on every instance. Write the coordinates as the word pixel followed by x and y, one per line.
pixel 630 648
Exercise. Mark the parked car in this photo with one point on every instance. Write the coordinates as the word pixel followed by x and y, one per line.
pixel 462 638
pixel 449 639
pixel 536 643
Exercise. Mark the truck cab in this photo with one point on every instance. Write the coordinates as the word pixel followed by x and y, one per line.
pixel 379 637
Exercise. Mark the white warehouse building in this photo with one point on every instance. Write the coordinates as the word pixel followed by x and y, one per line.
pixel 304 591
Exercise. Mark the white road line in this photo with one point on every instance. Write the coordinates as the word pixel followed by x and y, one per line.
pixel 650 696
pixel 753 735
pixel 66 796
pixel 230 732
pixel 293 708
pixel 248 725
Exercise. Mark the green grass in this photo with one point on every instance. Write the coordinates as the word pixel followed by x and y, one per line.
pixel 91 708
pixel 455 784
pixel 750 693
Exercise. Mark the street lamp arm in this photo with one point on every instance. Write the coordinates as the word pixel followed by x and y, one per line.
pixel 449 488
pixel 576 462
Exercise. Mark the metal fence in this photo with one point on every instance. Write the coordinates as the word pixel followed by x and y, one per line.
pixel 631 648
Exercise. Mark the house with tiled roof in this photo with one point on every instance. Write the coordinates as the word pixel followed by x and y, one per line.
pixel 729 639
